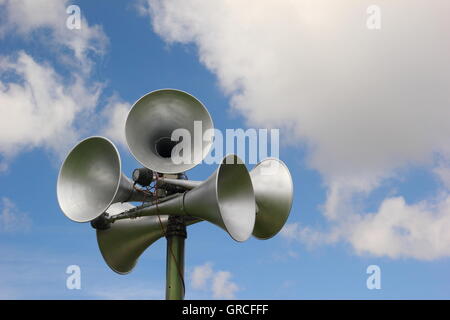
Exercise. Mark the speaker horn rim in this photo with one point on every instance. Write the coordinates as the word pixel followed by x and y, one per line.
pixel 159 90
pixel 230 226
pixel 288 212
pixel 116 189
pixel 125 206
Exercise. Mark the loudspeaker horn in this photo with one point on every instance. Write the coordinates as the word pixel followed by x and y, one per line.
pixel 225 199
pixel 151 122
pixel 124 241
pixel 273 187
pixel 91 179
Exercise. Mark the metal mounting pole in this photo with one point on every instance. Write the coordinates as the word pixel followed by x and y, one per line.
pixel 175 234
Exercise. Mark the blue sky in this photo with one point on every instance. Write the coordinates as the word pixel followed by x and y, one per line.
pixel 363 133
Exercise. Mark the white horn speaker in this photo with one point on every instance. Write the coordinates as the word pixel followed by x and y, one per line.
pixel 91 179
pixel 124 241
pixel 151 122
pixel 225 199
pixel 273 187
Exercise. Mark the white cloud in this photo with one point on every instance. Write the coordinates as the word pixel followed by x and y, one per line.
pixel 50 103
pixel 401 230
pixel 201 275
pixel 26 17
pixel 290 230
pixel 365 99
pixel 306 235
pixel 11 219
pixel 204 277
pixel 367 103
pixel 223 287
pixel 115 115
pixel 442 171
pixel 141 7
pixel 40 108
pixel 397 230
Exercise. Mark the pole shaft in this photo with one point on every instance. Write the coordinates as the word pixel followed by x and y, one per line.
pixel 176 235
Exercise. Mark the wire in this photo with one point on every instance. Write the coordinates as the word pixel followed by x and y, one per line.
pixel 145 191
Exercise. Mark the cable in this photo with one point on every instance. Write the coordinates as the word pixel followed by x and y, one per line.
pixel 145 191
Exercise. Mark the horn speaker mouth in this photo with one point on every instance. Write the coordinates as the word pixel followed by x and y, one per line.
pixel 118 254
pixel 164 147
pixel 273 187
pixel 153 119
pixel 89 179
pixel 236 198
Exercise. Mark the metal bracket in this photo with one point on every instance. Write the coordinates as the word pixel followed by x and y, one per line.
pixel 176 226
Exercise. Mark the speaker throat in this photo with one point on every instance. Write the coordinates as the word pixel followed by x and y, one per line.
pixel 164 147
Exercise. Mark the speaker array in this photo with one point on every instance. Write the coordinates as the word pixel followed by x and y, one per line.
pixel 92 188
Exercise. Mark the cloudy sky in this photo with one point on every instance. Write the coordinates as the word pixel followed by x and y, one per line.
pixel 364 119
